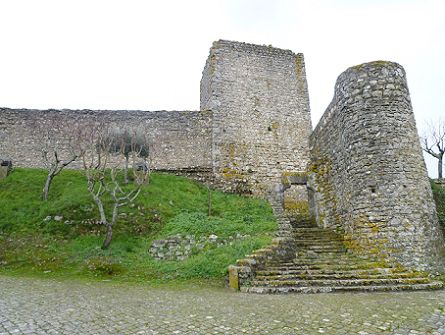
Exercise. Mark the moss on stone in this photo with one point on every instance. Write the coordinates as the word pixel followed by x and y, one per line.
pixel 296 207
pixel 285 180
pixel 378 63
pixel 230 173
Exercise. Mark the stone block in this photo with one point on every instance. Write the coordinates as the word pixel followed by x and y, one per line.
pixel 5 168
pixel 233 277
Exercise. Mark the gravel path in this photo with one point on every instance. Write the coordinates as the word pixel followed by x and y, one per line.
pixel 38 306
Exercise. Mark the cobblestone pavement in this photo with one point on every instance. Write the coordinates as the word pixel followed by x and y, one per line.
pixel 37 306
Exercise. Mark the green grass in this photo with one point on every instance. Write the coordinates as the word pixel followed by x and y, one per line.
pixel 30 244
pixel 439 198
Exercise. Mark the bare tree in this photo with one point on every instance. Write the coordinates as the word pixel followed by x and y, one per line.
pixel 103 168
pixel 57 149
pixel 433 143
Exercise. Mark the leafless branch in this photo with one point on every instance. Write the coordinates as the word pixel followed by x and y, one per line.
pixel 105 158
pixel 56 145
pixel 433 142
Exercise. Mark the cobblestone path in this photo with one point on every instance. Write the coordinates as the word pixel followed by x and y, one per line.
pixel 35 306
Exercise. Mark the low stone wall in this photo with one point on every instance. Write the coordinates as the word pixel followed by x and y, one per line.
pixel 243 272
pixel 369 178
pixel 180 247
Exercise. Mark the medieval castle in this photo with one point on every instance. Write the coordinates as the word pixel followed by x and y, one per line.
pixel 361 170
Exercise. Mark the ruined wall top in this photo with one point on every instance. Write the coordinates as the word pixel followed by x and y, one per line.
pixel 378 80
pixel 248 47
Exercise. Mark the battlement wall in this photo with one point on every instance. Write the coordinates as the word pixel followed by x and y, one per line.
pixel 181 140
pixel 369 178
pixel 261 118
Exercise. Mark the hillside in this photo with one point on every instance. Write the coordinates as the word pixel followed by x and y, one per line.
pixel 61 238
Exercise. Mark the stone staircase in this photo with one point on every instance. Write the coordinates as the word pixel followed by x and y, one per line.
pixel 305 258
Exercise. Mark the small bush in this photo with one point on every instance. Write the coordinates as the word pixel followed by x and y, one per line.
pixel 103 266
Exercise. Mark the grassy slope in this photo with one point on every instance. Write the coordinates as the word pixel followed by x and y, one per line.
pixel 168 205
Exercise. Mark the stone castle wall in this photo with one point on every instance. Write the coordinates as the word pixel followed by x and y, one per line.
pixel 261 117
pixel 181 140
pixel 369 178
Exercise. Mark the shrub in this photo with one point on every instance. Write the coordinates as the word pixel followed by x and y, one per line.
pixel 103 266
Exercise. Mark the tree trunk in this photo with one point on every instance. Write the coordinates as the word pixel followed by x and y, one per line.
pixel 100 207
pixel 126 170
pixel 45 191
pixel 440 166
pixel 108 237
pixel 209 200
pixel 110 225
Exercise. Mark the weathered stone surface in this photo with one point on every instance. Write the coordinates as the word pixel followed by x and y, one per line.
pixel 261 116
pixel 5 168
pixel 180 140
pixel 369 178
pixel 180 247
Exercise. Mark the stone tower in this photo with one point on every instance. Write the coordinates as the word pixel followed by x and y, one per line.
pixel 261 118
pixel 370 179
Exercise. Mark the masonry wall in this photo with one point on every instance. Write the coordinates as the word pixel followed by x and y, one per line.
pixel 181 140
pixel 369 178
pixel 261 117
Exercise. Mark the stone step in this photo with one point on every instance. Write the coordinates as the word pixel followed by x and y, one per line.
pixel 317 256
pixel 341 282
pixel 314 228
pixel 319 253
pixel 329 289
pixel 318 241
pixel 314 234
pixel 326 259
pixel 321 249
pixel 320 264
pixel 323 266
pixel 358 272
pixel 317 238
pixel 335 275
pixel 299 226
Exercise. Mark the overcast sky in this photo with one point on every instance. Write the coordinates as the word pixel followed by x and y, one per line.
pixel 149 55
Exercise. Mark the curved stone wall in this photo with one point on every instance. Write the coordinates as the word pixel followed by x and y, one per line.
pixel 369 178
